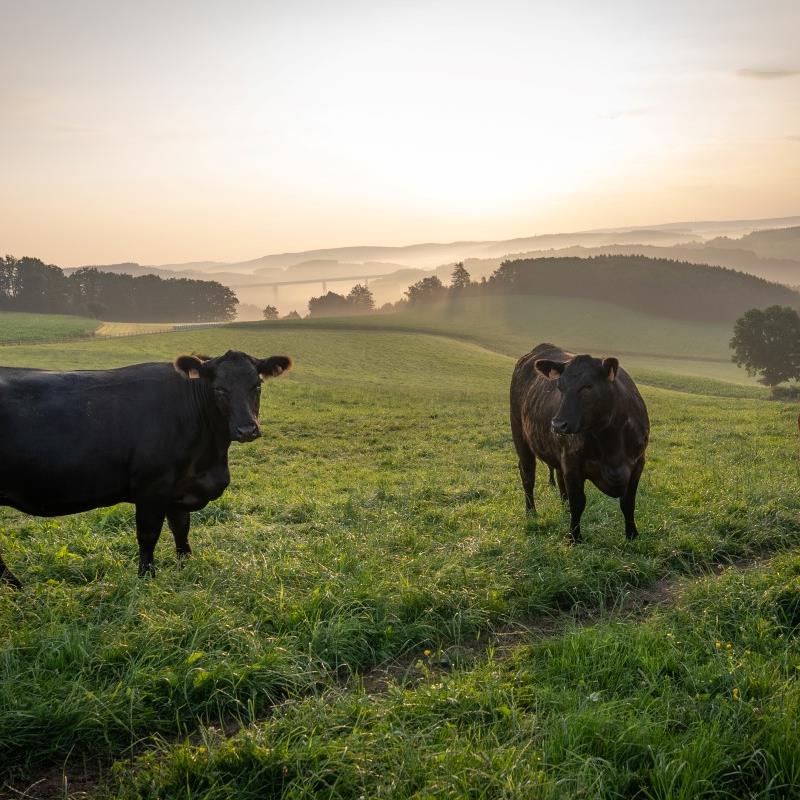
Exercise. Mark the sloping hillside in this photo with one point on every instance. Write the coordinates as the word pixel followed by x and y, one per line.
pixel 779 243
pixel 674 289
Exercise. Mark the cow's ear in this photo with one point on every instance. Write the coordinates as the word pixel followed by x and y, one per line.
pixel 550 369
pixel 273 366
pixel 611 366
pixel 188 366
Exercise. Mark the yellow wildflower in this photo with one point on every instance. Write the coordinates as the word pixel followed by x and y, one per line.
pixel 737 695
pixel 426 653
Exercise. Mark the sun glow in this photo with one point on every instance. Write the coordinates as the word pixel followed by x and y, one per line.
pixel 158 135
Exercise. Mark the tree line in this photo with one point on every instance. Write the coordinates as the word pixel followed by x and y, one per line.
pixel 28 284
pixel 667 288
pixel 659 286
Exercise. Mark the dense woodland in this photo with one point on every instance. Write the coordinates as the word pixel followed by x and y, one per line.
pixel 28 284
pixel 667 288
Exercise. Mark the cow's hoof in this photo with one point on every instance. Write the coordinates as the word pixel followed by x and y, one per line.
pixel 631 535
pixel 7 576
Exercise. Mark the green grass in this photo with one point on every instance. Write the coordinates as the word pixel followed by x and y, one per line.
pixel 701 701
pixel 17 327
pixel 379 516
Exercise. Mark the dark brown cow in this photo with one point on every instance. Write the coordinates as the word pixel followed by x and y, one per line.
pixel 586 419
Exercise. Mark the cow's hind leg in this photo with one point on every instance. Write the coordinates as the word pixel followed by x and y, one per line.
pixel 577 503
pixel 562 489
pixel 149 521
pixel 628 501
pixel 527 471
pixel 527 463
pixel 552 479
pixel 8 576
pixel 179 525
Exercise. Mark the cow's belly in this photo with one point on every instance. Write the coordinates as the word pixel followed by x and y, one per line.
pixel 612 480
pixel 51 493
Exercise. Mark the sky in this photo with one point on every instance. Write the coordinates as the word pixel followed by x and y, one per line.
pixel 165 132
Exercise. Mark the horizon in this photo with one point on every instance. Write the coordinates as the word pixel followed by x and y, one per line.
pixel 192 133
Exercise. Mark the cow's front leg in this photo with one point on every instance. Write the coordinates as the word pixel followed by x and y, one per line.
pixel 179 525
pixel 577 503
pixel 8 576
pixel 628 501
pixel 149 521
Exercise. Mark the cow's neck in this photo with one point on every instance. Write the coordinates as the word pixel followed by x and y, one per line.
pixel 609 439
pixel 213 427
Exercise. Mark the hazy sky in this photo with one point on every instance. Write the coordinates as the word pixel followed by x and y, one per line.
pixel 172 131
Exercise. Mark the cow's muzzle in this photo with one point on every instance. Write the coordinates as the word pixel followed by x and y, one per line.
pixel 247 433
pixel 559 426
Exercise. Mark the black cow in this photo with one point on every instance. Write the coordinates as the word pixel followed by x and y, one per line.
pixel 156 435
pixel 586 419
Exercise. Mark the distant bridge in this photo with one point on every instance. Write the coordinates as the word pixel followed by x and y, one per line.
pixel 275 285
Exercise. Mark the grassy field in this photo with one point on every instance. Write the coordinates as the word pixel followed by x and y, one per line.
pixel 512 325
pixel 16 327
pixel 368 612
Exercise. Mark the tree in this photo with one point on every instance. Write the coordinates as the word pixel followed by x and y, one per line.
pixel 270 312
pixel 360 297
pixel 425 291
pixel 27 284
pixel 460 279
pixel 293 315
pixel 329 305
pixel 767 343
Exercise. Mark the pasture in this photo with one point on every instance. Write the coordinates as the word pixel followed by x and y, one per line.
pixel 19 327
pixel 368 612
pixel 656 347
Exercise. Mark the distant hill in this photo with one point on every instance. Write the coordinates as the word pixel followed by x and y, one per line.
pixel 771 254
pixel 711 242
pixel 781 243
pixel 675 289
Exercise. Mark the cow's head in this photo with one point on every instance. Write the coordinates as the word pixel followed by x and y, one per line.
pixel 235 382
pixel 587 392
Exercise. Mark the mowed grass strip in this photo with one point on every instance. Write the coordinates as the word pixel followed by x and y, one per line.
pixel 380 515
pixel 18 327
pixel 700 701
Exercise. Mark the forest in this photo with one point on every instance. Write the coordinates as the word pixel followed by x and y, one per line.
pixel 28 284
pixel 667 288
